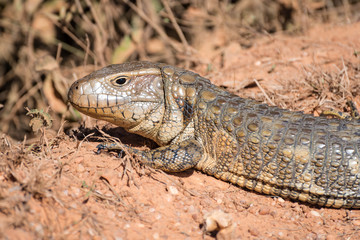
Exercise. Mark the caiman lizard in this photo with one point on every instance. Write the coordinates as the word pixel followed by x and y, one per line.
pixel 199 125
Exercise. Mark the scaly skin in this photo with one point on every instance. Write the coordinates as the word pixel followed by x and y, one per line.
pixel 197 124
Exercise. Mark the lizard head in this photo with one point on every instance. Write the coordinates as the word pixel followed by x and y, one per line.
pixel 123 94
pixel 150 99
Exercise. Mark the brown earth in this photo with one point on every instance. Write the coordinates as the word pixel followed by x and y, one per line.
pixel 66 191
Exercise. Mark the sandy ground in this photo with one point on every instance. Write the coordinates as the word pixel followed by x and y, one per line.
pixel 69 192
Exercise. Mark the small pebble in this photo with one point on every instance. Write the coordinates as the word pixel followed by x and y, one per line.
pixel 156 236
pixel 173 190
pixel 264 211
pixel 221 222
pixel 273 213
pixel 252 210
pixel 217 220
pixel 195 217
pixel 315 213
pixel 91 232
pixel 253 231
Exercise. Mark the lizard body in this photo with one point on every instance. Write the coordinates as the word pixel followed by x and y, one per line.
pixel 242 141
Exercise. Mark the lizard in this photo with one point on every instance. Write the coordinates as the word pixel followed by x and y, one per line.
pixel 273 151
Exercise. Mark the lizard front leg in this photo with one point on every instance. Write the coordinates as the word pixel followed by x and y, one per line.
pixel 171 158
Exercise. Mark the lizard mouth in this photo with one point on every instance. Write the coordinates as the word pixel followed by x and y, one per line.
pixel 96 101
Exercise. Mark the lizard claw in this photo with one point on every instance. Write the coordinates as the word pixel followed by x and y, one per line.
pixel 100 147
pixel 110 147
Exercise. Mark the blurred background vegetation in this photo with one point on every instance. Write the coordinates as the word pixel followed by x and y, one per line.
pixel 47 44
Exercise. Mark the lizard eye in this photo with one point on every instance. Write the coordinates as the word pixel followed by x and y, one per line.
pixel 120 80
